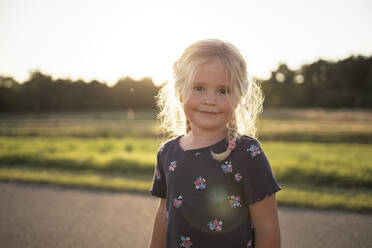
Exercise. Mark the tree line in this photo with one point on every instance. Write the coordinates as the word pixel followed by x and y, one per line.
pixel 41 93
pixel 345 83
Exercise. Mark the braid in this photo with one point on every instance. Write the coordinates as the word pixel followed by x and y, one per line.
pixel 232 135
pixel 188 126
pixel 232 130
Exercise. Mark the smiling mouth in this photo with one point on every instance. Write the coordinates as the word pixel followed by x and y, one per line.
pixel 207 112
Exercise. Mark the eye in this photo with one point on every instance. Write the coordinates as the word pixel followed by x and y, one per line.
pixel 199 88
pixel 223 91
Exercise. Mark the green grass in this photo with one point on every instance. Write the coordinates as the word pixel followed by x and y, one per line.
pixel 320 157
pixel 292 194
pixel 341 164
pixel 319 197
pixel 127 155
pixel 136 183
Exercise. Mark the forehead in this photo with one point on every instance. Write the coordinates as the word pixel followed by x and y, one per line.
pixel 213 73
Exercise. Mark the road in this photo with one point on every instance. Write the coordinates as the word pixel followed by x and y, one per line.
pixel 50 216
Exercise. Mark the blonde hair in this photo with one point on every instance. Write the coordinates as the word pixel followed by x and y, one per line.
pixel 247 91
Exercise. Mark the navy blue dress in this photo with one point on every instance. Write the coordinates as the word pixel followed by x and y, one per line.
pixel 207 201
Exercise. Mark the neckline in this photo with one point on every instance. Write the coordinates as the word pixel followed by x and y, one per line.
pixel 218 143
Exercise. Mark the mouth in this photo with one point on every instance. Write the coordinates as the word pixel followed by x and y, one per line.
pixel 208 112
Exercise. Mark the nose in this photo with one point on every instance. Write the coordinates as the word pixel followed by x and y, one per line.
pixel 209 98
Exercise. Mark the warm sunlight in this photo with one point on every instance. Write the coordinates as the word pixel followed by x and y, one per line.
pixel 143 38
pixel 94 153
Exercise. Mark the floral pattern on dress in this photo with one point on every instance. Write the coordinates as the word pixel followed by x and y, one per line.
pixel 177 202
pixel 234 201
pixel 228 177
pixel 215 225
pixel 172 166
pixel 227 167
pixel 254 150
pixel 249 244
pixel 157 174
pixel 200 183
pixel 185 242
pixel 237 177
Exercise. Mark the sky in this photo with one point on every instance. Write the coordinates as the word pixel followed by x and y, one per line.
pixel 110 39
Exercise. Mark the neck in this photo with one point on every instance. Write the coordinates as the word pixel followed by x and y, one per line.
pixel 198 138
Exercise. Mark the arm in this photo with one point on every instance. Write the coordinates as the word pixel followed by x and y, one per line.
pixel 264 215
pixel 159 228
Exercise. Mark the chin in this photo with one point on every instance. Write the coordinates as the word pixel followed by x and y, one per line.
pixel 212 127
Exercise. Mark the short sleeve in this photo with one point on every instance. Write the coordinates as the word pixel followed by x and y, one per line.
pixel 159 186
pixel 258 179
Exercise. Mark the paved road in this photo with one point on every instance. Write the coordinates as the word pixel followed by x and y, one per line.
pixel 50 216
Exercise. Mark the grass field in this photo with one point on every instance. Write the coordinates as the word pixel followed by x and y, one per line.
pixel 341 164
pixel 316 125
pixel 321 158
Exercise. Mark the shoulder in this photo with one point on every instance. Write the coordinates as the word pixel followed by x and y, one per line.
pixel 248 147
pixel 167 145
pixel 250 151
pixel 247 142
pixel 247 139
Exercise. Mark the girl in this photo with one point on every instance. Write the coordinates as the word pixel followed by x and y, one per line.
pixel 214 181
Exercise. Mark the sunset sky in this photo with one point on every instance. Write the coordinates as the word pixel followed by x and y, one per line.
pixel 109 39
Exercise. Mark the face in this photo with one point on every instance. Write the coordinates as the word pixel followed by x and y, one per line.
pixel 209 105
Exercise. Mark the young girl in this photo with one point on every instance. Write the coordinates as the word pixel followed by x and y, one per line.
pixel 214 181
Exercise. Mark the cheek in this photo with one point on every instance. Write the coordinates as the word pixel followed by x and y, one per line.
pixel 229 111
pixel 188 107
pixel 227 105
pixel 233 103
pixel 192 101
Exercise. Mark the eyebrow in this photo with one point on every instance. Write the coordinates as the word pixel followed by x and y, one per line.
pixel 220 85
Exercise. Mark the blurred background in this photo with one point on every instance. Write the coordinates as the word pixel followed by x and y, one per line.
pixel 78 80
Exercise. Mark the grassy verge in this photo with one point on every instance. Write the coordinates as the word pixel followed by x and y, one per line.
pixel 340 164
pixel 358 200
pixel 318 197
pixel 341 172
pixel 133 183
pixel 129 155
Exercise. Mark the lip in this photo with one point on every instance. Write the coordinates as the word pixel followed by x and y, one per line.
pixel 208 112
